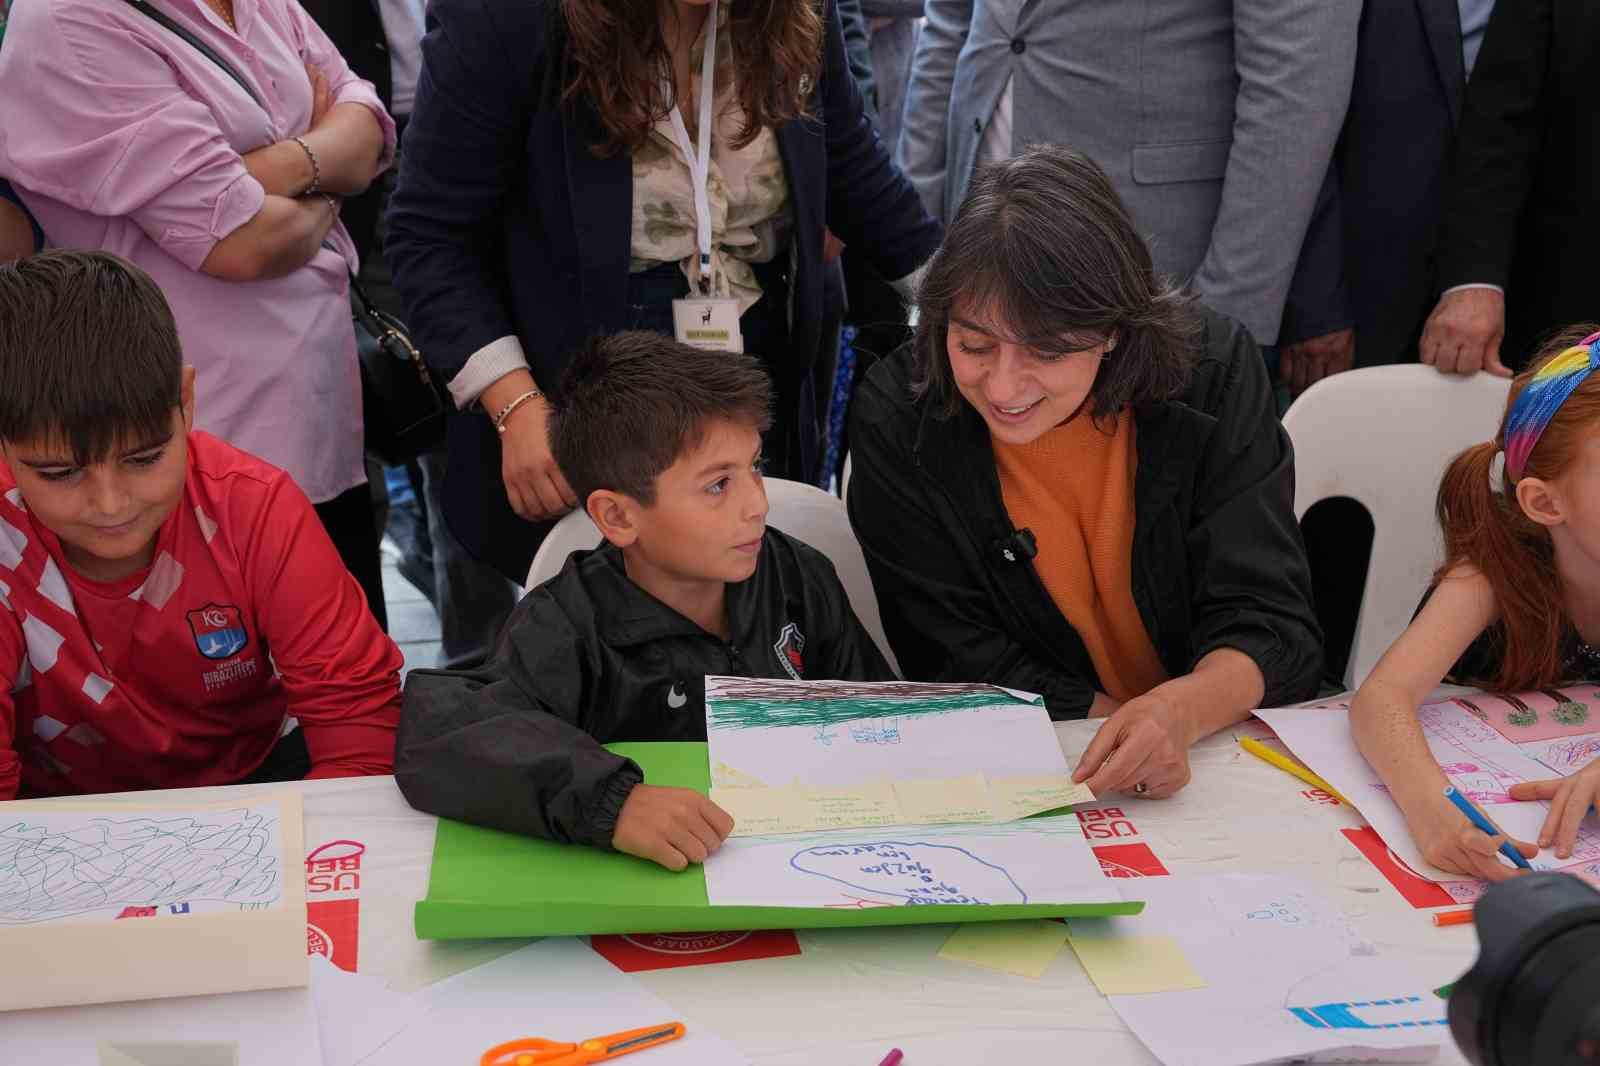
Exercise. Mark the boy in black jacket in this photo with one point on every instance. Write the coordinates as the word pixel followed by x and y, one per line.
pixel 662 442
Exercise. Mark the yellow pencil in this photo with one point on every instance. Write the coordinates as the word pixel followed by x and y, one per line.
pixel 1288 765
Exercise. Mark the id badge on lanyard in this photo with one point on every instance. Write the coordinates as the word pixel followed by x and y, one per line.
pixel 702 319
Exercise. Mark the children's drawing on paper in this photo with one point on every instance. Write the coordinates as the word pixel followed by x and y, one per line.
pixel 916 873
pixel 1568 755
pixel 882 731
pixel 1403 1012
pixel 830 734
pixel 66 864
pixel 1542 715
pixel 752 703
pixel 1458 743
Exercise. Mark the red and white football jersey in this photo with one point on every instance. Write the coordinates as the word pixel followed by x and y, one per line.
pixel 182 675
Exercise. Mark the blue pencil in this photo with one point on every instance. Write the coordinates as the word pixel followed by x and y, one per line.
pixel 1479 819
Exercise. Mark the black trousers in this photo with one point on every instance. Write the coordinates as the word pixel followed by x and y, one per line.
pixel 348 519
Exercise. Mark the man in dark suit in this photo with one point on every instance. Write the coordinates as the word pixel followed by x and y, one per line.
pixel 1522 215
pixel 1365 280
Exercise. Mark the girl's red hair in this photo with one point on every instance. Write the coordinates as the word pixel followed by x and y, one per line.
pixel 1485 527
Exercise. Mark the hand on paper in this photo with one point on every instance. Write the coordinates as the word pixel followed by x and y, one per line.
pixel 1450 842
pixel 670 826
pixel 1570 799
pixel 1145 741
pixel 1463 334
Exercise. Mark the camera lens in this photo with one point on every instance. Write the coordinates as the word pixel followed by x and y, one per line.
pixel 1533 996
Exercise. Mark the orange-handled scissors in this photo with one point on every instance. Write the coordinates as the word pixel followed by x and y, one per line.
pixel 532 1051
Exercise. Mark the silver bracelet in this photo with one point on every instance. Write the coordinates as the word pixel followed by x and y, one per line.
pixel 316 168
pixel 505 412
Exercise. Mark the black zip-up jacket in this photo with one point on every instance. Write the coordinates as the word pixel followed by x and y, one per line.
pixel 589 658
pixel 1217 555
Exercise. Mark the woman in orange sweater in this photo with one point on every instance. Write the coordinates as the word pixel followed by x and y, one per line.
pixel 1074 482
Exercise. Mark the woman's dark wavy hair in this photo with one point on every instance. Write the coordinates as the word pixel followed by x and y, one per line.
pixel 1043 250
pixel 620 63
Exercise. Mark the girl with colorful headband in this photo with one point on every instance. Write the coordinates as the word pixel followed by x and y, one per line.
pixel 1515 606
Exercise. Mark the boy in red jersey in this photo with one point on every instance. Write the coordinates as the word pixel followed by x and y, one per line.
pixel 167 602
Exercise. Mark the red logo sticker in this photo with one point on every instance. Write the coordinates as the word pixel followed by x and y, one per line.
pixel 333 902
pixel 1105 823
pixel 634 952
pixel 1417 890
pixel 1129 860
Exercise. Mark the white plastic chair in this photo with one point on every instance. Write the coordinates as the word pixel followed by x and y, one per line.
pixel 1383 436
pixel 802 511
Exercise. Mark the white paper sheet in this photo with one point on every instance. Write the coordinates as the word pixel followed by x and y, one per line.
pixel 832 742
pixel 150 901
pixel 1285 976
pixel 556 989
pixel 85 864
pixel 1477 760
pixel 273 1028
pixel 356 1013
pixel 1039 860
pixel 1564 756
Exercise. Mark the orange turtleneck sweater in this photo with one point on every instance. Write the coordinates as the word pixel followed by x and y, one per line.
pixel 1073 488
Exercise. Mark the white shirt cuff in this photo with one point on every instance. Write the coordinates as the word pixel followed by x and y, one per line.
pixel 486 366
pixel 1473 285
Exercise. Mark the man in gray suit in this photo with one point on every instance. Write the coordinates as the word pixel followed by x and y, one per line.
pixel 1215 120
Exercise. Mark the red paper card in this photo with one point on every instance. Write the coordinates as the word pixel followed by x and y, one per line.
pixel 1129 860
pixel 663 951
pixel 1417 890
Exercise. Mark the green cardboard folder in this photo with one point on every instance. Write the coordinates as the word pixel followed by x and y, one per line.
pixel 486 883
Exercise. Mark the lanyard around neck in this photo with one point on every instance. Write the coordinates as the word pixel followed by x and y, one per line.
pixel 699 156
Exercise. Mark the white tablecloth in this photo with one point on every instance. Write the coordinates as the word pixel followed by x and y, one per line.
pixel 852 994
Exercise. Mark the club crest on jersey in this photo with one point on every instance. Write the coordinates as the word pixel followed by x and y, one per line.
pixel 791 642
pixel 218 630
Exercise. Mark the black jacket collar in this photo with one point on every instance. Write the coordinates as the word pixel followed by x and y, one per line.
pixel 625 615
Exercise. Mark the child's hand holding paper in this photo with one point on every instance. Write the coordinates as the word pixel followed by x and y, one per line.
pixel 670 826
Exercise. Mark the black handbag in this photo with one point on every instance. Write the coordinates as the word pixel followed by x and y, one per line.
pixel 403 402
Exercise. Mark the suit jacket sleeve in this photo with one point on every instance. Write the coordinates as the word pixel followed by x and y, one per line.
pixel 870 205
pixel 941 620
pixel 1250 582
pixel 858 48
pixel 1496 150
pixel 503 746
pixel 1295 64
pixel 1319 302
pixel 461 161
pixel 925 129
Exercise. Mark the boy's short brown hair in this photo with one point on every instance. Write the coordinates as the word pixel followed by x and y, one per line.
pixel 89 354
pixel 632 403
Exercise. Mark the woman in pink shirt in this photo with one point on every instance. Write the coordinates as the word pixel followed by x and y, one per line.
pixel 121 135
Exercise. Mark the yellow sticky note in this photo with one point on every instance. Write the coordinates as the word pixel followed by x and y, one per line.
pixel 1025 948
pixel 1018 797
pixel 798 809
pixel 756 811
pixel 1134 965
pixel 932 801
pixel 725 776
pixel 852 808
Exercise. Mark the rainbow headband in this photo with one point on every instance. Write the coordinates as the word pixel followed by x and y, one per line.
pixel 1538 403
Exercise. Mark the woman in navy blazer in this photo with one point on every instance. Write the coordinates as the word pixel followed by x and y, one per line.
pixel 510 231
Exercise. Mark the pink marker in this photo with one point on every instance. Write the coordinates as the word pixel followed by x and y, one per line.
pixel 892 1058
